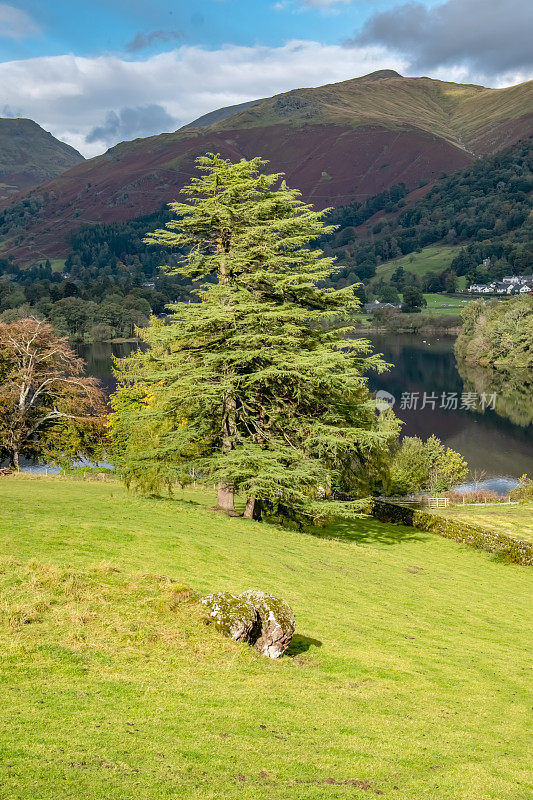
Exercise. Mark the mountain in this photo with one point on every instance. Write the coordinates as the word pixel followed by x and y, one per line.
pixel 221 113
pixel 339 143
pixel 481 213
pixel 30 155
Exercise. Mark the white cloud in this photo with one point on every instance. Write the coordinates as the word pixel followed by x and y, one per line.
pixel 488 36
pixel 16 23
pixel 72 96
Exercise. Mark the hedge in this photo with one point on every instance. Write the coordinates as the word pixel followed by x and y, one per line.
pixel 514 550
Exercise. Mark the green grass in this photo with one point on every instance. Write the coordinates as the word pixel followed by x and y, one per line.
pixel 58 264
pixel 513 520
pixel 407 675
pixel 435 258
pixel 438 304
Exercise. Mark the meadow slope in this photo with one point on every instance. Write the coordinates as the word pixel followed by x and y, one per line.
pixel 406 678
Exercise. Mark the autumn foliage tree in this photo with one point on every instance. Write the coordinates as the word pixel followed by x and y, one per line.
pixel 48 409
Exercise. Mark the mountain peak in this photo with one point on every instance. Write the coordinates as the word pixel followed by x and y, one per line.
pixel 339 143
pixel 30 155
pixel 379 74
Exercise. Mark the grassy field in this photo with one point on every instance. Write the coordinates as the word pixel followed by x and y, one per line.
pixel 434 258
pixel 58 264
pixel 439 304
pixel 513 520
pixel 406 677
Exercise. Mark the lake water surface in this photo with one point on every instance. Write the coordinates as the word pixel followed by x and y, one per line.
pixel 494 442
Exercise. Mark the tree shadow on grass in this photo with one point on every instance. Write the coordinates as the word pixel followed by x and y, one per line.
pixel 301 644
pixel 361 529
pixel 368 530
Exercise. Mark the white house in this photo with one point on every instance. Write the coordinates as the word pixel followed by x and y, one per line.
pixel 514 279
pixel 480 288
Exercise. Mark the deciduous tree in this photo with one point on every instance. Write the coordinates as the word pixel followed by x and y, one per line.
pixel 48 409
pixel 424 466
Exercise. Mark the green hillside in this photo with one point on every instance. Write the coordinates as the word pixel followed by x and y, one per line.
pixel 436 258
pixel 406 678
pixel 513 520
pixel 459 113
pixel 30 155
pixel 482 212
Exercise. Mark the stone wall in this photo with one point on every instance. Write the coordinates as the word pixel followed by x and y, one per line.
pixel 514 550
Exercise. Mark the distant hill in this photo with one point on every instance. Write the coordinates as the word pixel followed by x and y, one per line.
pixel 221 113
pixel 339 143
pixel 30 155
pixel 469 227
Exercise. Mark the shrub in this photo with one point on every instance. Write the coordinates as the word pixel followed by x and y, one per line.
pixel 524 491
pixel 429 465
pixel 475 496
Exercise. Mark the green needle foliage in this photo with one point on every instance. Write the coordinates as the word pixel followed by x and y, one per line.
pixel 257 388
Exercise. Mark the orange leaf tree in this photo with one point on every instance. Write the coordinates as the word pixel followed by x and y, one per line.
pixel 49 410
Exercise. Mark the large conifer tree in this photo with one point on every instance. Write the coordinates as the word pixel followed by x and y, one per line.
pixel 256 388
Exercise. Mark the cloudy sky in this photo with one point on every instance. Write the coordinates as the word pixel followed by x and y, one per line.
pixel 96 72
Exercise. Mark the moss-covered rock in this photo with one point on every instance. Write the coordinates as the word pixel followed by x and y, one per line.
pixel 277 622
pixel 233 616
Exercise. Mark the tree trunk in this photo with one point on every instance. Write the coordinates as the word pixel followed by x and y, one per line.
pixel 15 460
pixel 226 492
pixel 253 509
pixel 225 498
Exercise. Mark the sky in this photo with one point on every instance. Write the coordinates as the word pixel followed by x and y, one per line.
pixel 99 72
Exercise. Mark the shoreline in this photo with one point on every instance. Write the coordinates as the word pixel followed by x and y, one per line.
pixel 425 329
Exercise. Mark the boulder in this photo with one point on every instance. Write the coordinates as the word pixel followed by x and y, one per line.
pixel 276 622
pixel 233 616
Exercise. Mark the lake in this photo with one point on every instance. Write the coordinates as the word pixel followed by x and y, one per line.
pixel 492 441
pixel 497 442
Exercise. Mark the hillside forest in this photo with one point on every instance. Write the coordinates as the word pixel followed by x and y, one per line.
pixel 112 281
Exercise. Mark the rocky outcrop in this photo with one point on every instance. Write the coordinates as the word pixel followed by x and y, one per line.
pixel 262 620
pixel 277 623
pixel 233 616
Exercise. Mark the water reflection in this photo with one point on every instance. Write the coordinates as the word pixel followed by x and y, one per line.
pixel 99 360
pixel 514 392
pixel 497 442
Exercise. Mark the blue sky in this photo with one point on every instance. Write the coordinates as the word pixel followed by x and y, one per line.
pixel 96 27
pixel 95 73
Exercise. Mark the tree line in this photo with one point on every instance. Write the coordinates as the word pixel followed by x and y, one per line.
pixel 117 277
pixel 498 335
pixel 110 283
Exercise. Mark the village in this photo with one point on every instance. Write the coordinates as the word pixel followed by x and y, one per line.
pixel 509 284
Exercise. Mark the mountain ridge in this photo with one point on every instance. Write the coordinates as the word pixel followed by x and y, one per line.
pixel 337 143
